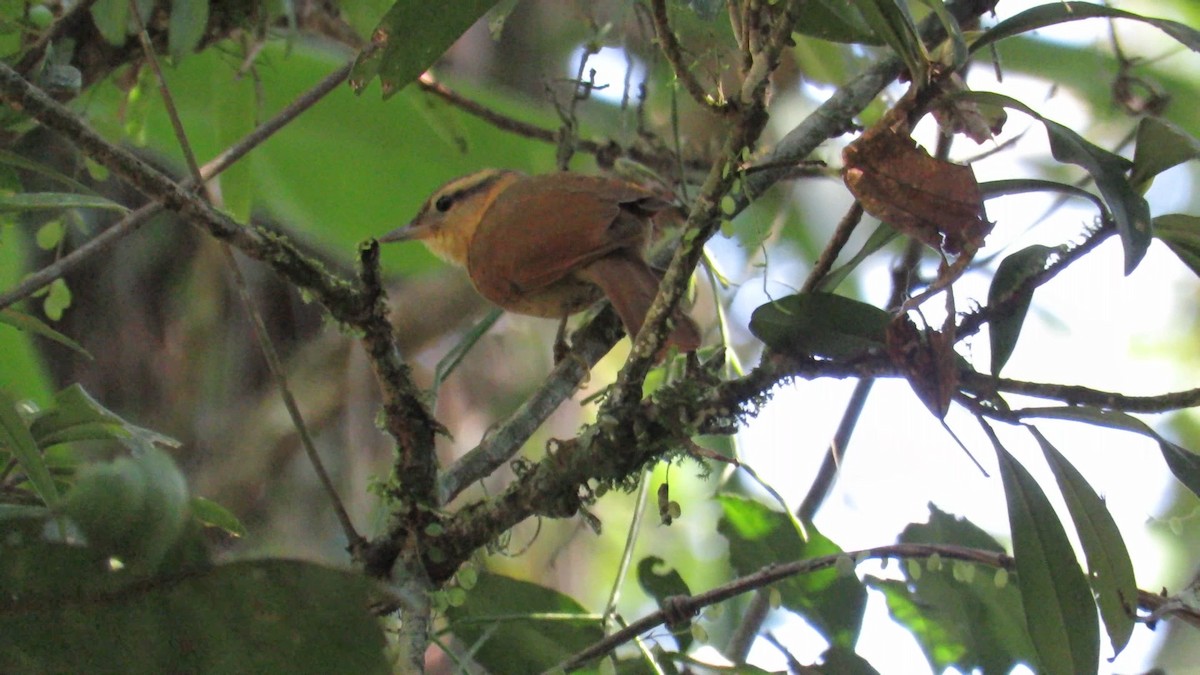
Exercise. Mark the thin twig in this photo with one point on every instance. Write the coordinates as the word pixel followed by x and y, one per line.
pixel 674 53
pixel 985 386
pixel 841 235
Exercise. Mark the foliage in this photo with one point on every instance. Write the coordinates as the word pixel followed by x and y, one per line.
pixel 112 559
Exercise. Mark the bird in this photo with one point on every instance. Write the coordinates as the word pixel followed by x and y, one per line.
pixel 550 245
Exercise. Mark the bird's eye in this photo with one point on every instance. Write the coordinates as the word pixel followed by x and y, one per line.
pixel 443 203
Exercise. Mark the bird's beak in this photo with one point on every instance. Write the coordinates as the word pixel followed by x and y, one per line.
pixel 408 232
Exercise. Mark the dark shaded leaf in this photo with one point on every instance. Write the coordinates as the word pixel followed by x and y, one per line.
pixel 1110 570
pixel 1160 145
pixel 835 21
pixel 662 586
pixel 845 661
pixel 1184 463
pixel 758 536
pixel 893 23
pixel 1013 271
pixel 247 617
pixel 410 38
pixel 1129 209
pixel 820 324
pixel 186 27
pixel 973 625
pixel 498 623
pixel 1059 609
pixel 1181 233
pixel 1052 13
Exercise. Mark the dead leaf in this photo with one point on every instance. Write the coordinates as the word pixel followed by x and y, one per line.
pixel 927 359
pixel 934 201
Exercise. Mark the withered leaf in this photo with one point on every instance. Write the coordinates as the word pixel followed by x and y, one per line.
pixel 927 359
pixel 937 202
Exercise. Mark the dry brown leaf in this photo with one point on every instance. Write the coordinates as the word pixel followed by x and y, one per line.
pixel 937 202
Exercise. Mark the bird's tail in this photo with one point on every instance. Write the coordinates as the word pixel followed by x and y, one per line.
pixel 630 284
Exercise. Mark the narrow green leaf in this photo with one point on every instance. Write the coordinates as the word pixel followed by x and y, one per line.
pixel 820 324
pixel 501 614
pixel 958 43
pixel 1052 13
pixel 1012 272
pixel 1110 570
pixel 31 324
pixel 758 536
pixel 13 159
pixel 1184 463
pixel 412 36
pixel 1059 608
pixel 893 23
pixel 15 436
pixel 1181 233
pixel 1016 186
pixel 1129 209
pixel 76 416
pixel 882 236
pixel 213 514
pixel 41 201
pixel 186 27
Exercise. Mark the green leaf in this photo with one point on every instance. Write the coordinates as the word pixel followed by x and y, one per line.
pixel 112 20
pixel 1109 568
pixel 31 324
pixel 882 236
pixel 1184 463
pixel 1016 186
pixel 212 514
pixel 1181 233
pixel 834 20
pixel 1052 13
pixel 500 624
pixel 1129 209
pixel 662 586
pixel 1160 145
pixel 1012 272
pixel 820 324
pixel 13 159
pixel 831 602
pixel 893 23
pixel 411 37
pixel 43 201
pixel 969 626
pixel 76 416
pixel 16 437
pixel 1059 608
pixel 268 616
pixel 186 27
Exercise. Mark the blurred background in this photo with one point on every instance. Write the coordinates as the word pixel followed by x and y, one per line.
pixel 174 351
